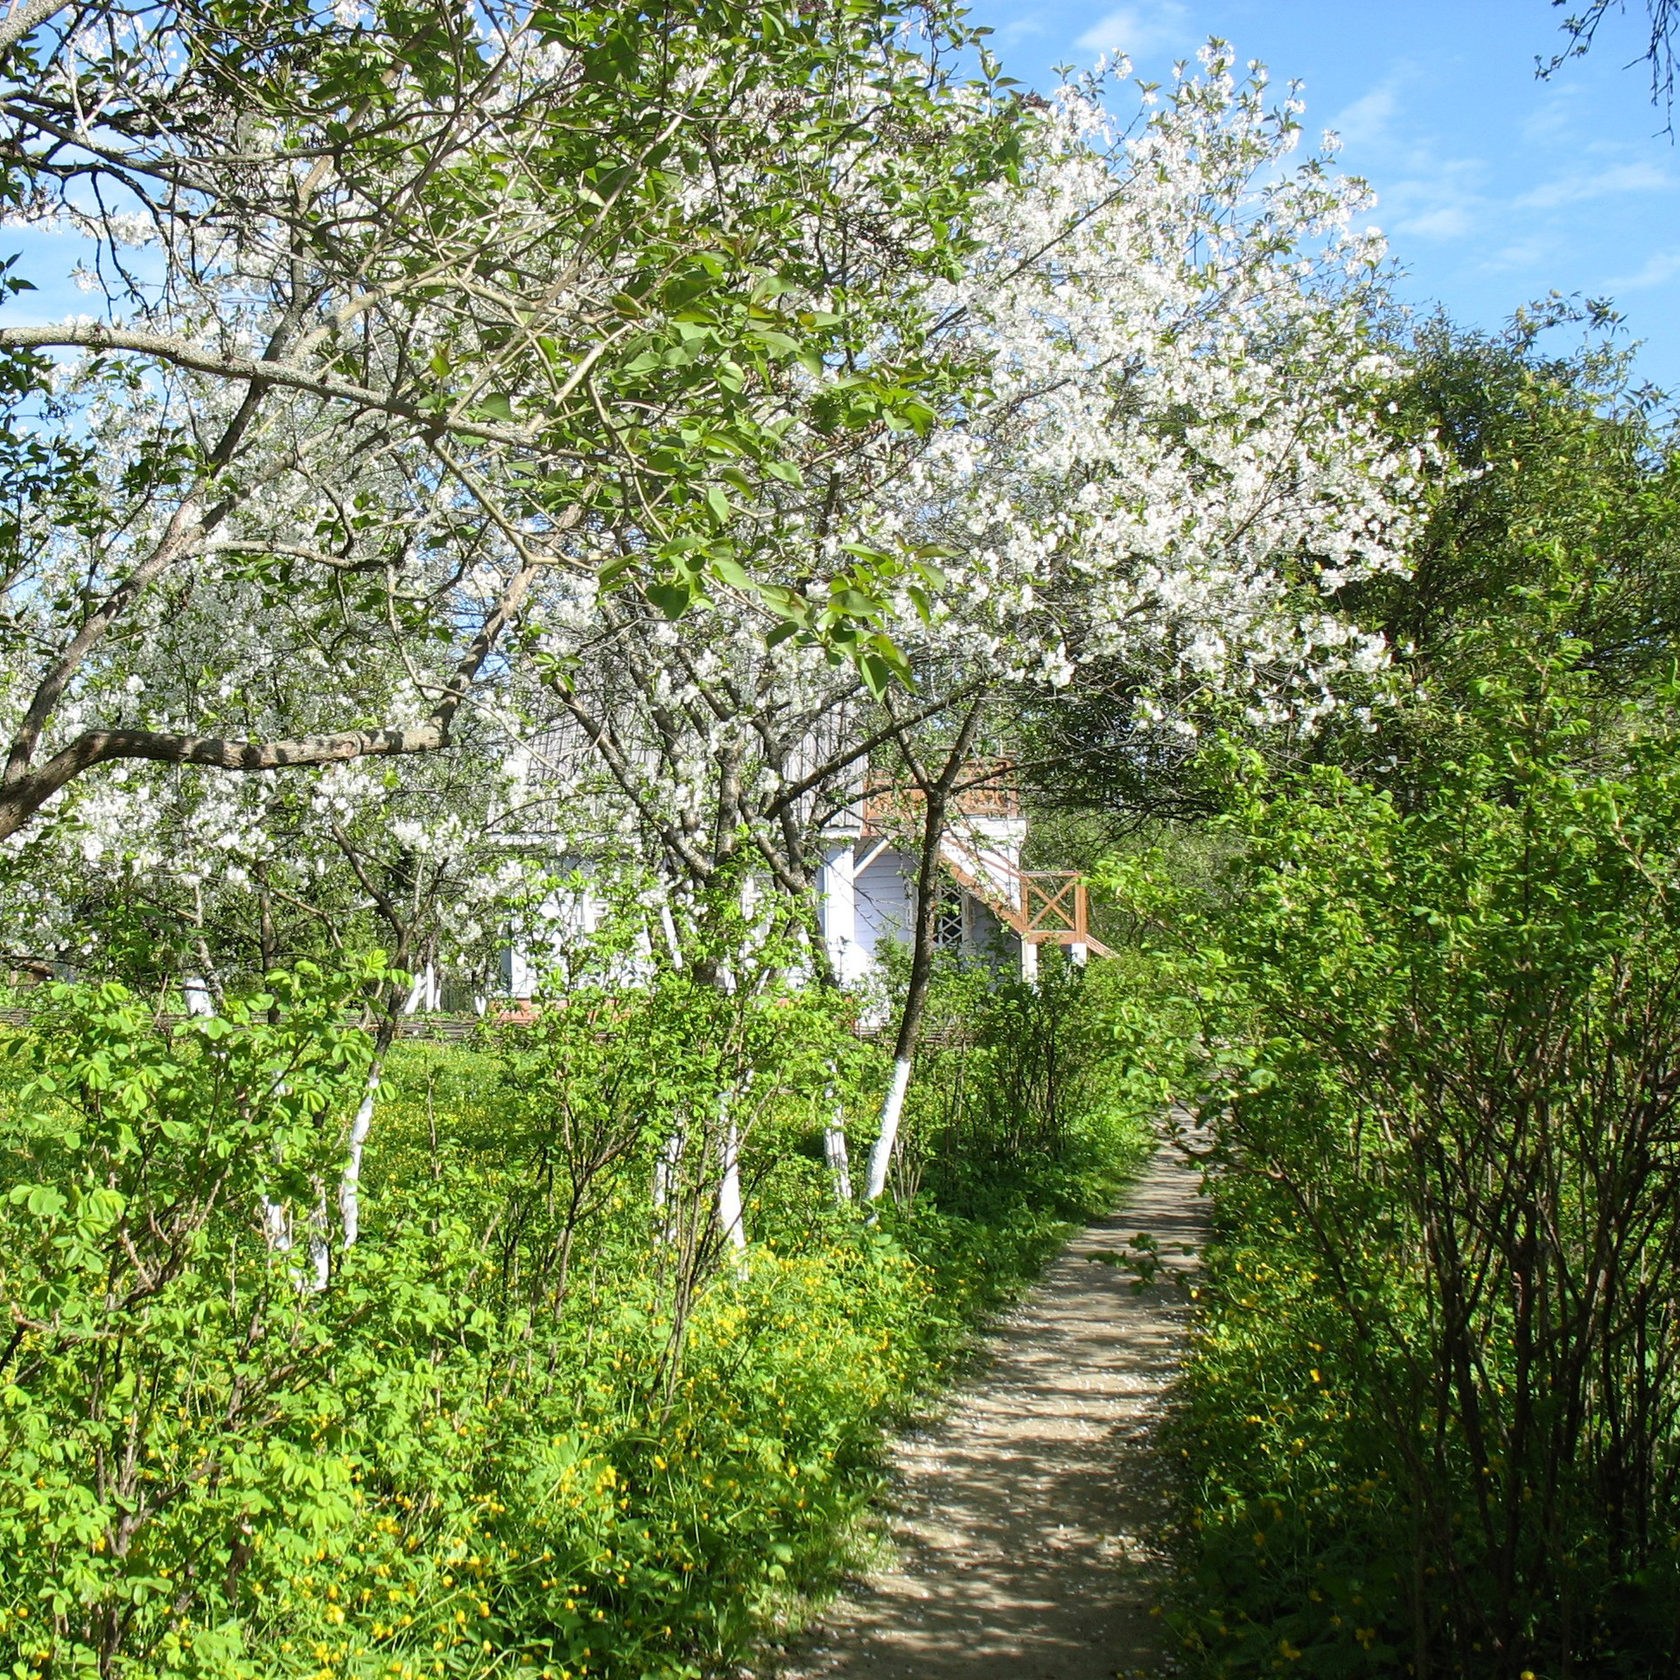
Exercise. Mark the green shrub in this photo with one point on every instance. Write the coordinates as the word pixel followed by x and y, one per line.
pixel 1434 1421
pixel 534 1422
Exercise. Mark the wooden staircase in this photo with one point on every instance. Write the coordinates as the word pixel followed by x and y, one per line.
pixel 1050 906
pixel 1043 906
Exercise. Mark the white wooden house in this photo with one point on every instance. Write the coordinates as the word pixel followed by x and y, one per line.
pixel 994 910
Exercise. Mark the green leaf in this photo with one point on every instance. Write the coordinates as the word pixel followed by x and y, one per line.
pixel 877 674
pixel 672 599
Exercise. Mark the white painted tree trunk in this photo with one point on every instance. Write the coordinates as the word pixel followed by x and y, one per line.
pixel 423 993
pixel 350 1175
pixel 665 1184
pixel 839 1164
pixel 277 1227
pixel 729 1189
pixel 278 1235
pixel 350 1182
pixel 668 926
pixel 892 1110
pixel 276 1216
pixel 316 1278
pixel 834 1151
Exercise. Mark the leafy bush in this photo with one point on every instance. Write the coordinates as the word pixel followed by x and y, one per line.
pixel 1019 1084
pixel 1434 1421
pixel 541 1418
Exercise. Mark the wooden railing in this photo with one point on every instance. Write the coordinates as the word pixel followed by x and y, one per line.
pixel 1055 903
pixel 985 789
pixel 1043 906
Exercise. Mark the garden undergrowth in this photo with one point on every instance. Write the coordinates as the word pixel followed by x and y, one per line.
pixel 504 1438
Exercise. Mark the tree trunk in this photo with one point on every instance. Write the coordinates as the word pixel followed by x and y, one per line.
pixel 666 1185
pixel 936 795
pixel 730 1216
pixel 350 1181
pixel 267 956
pixel 880 1157
pixel 834 1151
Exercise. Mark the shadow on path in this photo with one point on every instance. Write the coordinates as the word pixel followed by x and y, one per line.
pixel 1017 1512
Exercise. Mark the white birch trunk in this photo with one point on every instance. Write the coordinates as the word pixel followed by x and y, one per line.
pixel 834 1151
pixel 350 1182
pixel 892 1110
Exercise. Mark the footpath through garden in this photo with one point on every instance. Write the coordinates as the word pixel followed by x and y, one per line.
pixel 1018 1515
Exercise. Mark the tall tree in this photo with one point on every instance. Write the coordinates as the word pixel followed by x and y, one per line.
pixel 1168 466
pixel 408 312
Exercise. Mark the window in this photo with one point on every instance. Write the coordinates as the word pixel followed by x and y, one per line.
pixel 948 921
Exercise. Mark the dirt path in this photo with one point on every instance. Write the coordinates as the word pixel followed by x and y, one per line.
pixel 1016 1512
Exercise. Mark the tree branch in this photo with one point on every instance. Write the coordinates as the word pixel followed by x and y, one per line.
pixel 95 335
pixel 24 795
pixel 25 19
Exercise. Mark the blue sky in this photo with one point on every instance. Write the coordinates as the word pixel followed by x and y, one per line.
pixel 1493 188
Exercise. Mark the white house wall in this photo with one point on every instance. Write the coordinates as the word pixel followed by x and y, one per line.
pixel 885 906
pixel 865 908
pixel 847 955
pixel 985 935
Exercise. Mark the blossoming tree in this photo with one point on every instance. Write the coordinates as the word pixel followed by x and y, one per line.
pixel 405 309
pixel 1168 462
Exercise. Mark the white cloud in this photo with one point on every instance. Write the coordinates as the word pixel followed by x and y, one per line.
pixel 1443 199
pixel 1449 221
pixel 1367 120
pixel 1552 121
pixel 1658 271
pixel 1136 30
pixel 1581 189
pixel 1519 255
